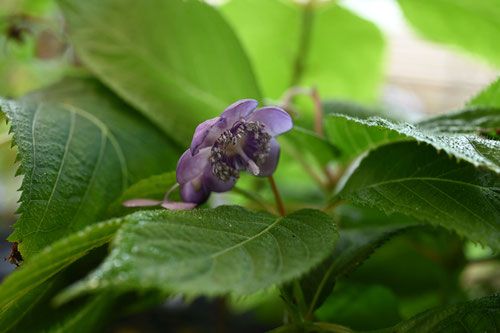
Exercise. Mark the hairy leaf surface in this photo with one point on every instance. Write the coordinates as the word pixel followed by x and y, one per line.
pixel 480 315
pixel 416 180
pixel 177 61
pixel 228 249
pixel 457 134
pixel 80 147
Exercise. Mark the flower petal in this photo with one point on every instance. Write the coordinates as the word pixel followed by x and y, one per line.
pixel 275 120
pixel 240 109
pixel 176 205
pixel 190 194
pixel 141 203
pixel 269 166
pixel 215 184
pixel 189 167
pixel 206 133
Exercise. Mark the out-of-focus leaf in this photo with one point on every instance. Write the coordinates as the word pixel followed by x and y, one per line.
pixel 353 248
pixel 228 249
pixel 47 263
pixel 361 307
pixel 154 187
pixel 481 315
pixel 308 142
pixel 79 147
pixel 450 133
pixel 471 25
pixel 177 61
pixel 490 96
pixel 326 46
pixel 416 180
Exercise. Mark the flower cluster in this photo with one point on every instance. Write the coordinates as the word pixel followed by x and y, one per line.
pixel 242 138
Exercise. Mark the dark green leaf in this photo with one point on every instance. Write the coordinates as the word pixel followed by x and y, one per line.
pixel 473 26
pixel 307 43
pixel 472 120
pixel 478 316
pixel 80 147
pixel 354 246
pixel 355 136
pixel 361 307
pixel 228 249
pixel 51 260
pixel 416 180
pixel 177 61
pixel 308 142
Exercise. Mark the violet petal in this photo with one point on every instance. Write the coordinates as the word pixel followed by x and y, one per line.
pixel 240 109
pixel 190 167
pixel 215 184
pixel 275 120
pixel 175 205
pixel 269 166
pixel 206 133
pixel 190 194
pixel 141 203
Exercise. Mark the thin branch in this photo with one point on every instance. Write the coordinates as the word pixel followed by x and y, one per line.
pixel 277 196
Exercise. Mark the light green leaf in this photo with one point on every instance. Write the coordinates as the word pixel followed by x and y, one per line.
pixel 416 180
pixel 480 315
pixel 80 147
pixel 490 96
pixel 456 134
pixel 177 61
pixel 326 46
pixel 154 187
pixel 472 25
pixel 228 249
pixel 48 262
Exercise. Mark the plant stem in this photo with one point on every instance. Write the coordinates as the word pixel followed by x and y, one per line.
pixel 318 112
pixel 279 203
pixel 304 42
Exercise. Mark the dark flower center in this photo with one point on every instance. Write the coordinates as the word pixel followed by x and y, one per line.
pixel 244 146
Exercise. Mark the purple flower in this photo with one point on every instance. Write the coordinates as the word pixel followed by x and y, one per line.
pixel 242 138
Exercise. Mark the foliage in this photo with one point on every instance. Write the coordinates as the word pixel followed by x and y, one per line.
pixel 396 198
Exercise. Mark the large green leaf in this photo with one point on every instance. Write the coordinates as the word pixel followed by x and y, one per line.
pixel 326 46
pixel 416 180
pixel 23 288
pixel 228 249
pixel 177 61
pixel 80 147
pixel 478 316
pixel 472 25
pixel 456 134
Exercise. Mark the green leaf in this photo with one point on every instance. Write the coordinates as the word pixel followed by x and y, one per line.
pixel 361 307
pixel 307 142
pixel 481 315
pixel 353 248
pixel 177 61
pixel 490 96
pixel 355 136
pixel 154 187
pixel 473 26
pixel 52 259
pixel 471 120
pixel 326 46
pixel 80 147
pixel 416 180
pixel 228 249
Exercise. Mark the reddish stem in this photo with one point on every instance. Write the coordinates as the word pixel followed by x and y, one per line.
pixel 277 196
